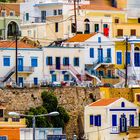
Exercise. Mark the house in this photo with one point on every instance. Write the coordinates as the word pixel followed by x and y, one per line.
pixel 99 52
pixel 109 119
pixel 41 133
pixel 9 20
pixel 29 63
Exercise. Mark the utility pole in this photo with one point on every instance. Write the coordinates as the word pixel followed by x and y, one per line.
pixel 126 63
pixel 75 16
pixel 16 59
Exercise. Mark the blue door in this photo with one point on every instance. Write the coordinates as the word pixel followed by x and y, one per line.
pixel 100 55
pixel 109 55
pixel 53 77
pixel 20 64
pixel 123 123
pixel 36 81
pixel 20 81
pixel 58 63
pixel 137 59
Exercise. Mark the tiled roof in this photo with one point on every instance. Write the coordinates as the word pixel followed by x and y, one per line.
pixel 98 7
pixel 104 102
pixel 12 44
pixel 80 37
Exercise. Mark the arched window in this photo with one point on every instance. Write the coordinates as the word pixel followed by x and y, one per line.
pixel 87 26
pixel 122 104
pixel 137 49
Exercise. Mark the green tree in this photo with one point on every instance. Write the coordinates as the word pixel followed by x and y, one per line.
pixel 50 104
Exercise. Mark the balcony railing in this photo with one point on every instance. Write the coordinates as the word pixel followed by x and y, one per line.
pixel 26 69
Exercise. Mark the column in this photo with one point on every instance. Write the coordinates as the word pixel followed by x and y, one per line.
pixel 132 54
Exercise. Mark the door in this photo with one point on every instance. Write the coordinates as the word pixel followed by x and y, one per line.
pixel 36 81
pixel 108 55
pixel 100 55
pixel 58 64
pixel 123 123
pixel 20 64
pixel 53 77
pixel 20 81
pixel 137 59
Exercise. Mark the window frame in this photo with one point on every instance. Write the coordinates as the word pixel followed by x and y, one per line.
pixel 5 63
pixel 34 63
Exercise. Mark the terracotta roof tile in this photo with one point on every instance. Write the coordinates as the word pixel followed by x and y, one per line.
pixel 12 44
pixel 104 102
pixel 80 37
pixel 98 7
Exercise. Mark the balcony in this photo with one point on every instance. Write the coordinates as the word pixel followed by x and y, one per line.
pixel 25 69
pixel 13 122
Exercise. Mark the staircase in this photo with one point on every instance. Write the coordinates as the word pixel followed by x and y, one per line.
pixel 8 75
pixel 93 73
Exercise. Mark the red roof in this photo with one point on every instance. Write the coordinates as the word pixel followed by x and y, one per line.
pixel 12 44
pixel 104 102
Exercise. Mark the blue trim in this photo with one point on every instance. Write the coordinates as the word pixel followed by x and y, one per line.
pixel 123 109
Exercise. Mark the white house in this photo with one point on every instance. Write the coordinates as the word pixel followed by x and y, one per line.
pixel 29 61
pixel 109 119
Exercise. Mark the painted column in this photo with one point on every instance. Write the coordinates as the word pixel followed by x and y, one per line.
pixel 132 54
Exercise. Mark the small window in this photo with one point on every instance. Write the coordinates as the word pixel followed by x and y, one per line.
pixel 91 120
pixel 49 61
pixel 73 28
pixel 3 13
pixel 138 20
pixel 114 120
pixel 66 77
pixel 133 32
pixel 66 61
pixel 76 61
pixel 56 27
pixel 116 20
pixel 99 39
pixel 11 13
pixel 91 52
pixel 120 32
pixel 36 81
pixel 96 27
pixel 6 61
pixel 54 12
pixel 122 104
pixel 27 16
pixel 60 12
pixel 34 62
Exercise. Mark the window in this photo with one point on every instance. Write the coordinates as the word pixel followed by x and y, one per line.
pixel 138 98
pixel 133 32
pixel 76 61
pixel 66 61
pixel 109 53
pixel 116 20
pixel 91 52
pixel 27 16
pixel 120 32
pixel 87 26
pixel 98 120
pixel 73 28
pixel 138 20
pixel 59 11
pixel 36 81
pixel 54 12
pixel 49 61
pixel 122 104
pixel 56 27
pixel 131 120
pixel 99 39
pixel 66 77
pixel 54 78
pixel 34 62
pixel 11 13
pixel 3 13
pixel 96 27
pixel 91 120
pixel 6 61
pixel 105 26
pixel 114 120
pixel 119 58
pixel 101 73
pixel 43 16
pixel 128 57
pixel 1 113
pixel 3 138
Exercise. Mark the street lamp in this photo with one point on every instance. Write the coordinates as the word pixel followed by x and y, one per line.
pixel 55 113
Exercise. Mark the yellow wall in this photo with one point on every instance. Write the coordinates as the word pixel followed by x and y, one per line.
pixel 121 4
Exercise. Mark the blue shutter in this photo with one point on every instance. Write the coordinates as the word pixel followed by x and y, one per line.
pixel 119 57
pixel 96 120
pixel 99 39
pixel 6 61
pixel 68 61
pixel 34 62
pixel 128 57
pixel 131 118
pixel 74 62
pixel 114 120
pixel 64 61
pixel 51 61
pixel 91 52
pixel 46 60
pixel 99 120
pixel 91 119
